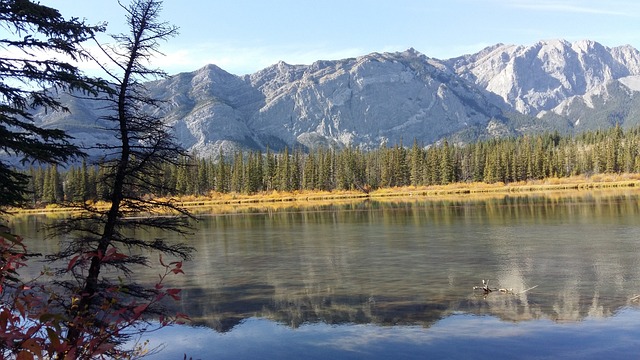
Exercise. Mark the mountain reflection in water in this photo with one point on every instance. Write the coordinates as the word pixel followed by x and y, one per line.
pixel 458 336
pixel 413 263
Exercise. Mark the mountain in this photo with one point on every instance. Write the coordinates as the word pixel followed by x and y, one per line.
pixel 616 101
pixel 365 101
pixel 541 76
pixel 389 98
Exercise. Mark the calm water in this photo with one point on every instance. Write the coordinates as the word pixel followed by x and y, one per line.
pixel 395 280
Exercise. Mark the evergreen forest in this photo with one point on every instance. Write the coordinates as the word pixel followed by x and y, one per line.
pixel 508 160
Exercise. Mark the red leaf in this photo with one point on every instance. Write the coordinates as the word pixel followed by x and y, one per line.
pixel 174 293
pixel 181 318
pixel 72 262
pixel 33 346
pixel 110 251
pixel 24 355
pixel 137 311
pixel 113 254
pixel 53 338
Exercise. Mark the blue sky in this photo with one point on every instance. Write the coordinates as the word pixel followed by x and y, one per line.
pixel 243 36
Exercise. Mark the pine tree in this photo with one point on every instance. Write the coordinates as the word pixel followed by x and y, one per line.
pixel 254 174
pixel 401 170
pixel 432 166
pixel 104 238
pixel 52 188
pixel 537 163
pixel 446 164
pixel 373 169
pixel 283 171
pixel 296 170
pixel 270 170
pixel 416 161
pixel 629 154
pixel 182 177
pixel 70 184
pixel 28 81
pixel 83 193
pixel 386 165
pixel 237 172
pixel 325 170
pixel 310 173
pixel 38 175
pixel 222 175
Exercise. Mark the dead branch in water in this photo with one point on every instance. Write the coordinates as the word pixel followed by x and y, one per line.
pixel 485 287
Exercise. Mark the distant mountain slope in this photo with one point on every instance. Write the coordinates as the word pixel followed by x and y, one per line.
pixel 540 76
pixel 365 101
pixel 613 102
pixel 390 98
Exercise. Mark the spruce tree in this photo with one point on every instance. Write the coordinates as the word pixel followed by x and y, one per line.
pixel 310 173
pixel 446 164
pixel 416 161
pixel 222 175
pixel 101 239
pixel 34 36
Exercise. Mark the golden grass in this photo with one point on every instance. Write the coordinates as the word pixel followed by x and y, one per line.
pixel 229 202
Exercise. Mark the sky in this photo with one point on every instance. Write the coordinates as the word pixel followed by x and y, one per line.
pixel 244 36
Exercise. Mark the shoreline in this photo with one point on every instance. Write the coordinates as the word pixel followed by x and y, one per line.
pixel 218 200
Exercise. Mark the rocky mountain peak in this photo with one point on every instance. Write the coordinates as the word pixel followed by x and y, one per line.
pixel 390 98
pixel 538 77
pixel 628 57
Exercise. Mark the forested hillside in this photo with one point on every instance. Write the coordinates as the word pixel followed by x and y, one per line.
pixel 497 160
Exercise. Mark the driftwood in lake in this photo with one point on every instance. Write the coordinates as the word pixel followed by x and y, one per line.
pixel 486 289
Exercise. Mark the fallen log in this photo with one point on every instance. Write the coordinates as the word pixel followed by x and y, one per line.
pixel 485 287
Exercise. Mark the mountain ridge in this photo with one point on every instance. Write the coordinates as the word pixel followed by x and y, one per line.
pixel 389 98
pixel 538 77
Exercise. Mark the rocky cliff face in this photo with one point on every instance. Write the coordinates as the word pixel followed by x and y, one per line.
pixel 390 98
pixel 371 100
pixel 615 101
pixel 366 101
pixel 539 77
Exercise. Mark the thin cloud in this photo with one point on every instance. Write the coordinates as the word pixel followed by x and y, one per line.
pixel 579 7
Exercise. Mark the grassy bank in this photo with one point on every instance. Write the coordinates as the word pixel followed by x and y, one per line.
pixel 218 201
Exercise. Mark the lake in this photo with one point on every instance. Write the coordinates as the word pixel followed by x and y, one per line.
pixel 395 279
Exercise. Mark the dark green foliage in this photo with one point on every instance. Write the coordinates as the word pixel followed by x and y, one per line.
pixel 101 239
pixel 34 35
pixel 505 160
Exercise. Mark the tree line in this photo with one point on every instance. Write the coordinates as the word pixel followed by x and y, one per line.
pixel 507 160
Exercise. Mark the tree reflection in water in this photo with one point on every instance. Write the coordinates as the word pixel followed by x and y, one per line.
pixel 412 265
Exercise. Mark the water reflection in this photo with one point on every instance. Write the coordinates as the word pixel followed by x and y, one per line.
pixel 411 262
pixel 459 336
